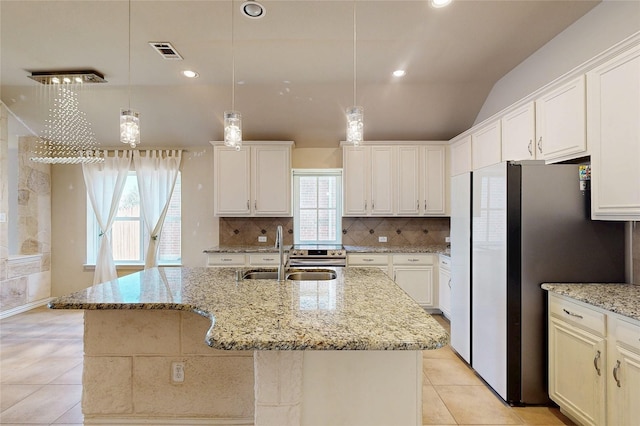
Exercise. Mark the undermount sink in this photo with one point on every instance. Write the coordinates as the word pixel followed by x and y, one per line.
pixel 293 275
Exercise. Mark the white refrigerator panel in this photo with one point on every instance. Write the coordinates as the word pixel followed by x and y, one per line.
pixel 461 265
pixel 489 276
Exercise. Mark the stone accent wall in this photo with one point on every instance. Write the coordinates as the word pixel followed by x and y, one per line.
pixel 127 370
pixel 636 252
pixel 25 277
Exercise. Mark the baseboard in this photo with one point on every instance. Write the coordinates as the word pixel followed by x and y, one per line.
pixel 174 421
pixel 24 308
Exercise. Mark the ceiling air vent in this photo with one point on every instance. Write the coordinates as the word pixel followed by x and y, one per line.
pixel 166 50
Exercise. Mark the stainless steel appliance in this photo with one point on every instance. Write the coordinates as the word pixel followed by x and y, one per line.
pixel 317 255
pixel 528 225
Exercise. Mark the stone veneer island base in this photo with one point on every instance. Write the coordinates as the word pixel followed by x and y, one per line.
pixel 338 352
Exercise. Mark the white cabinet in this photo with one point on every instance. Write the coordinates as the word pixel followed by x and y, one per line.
pixel 404 180
pixel 368 180
pixel 594 363
pixel 225 259
pixel 613 113
pixel 255 181
pixel 414 273
pixel 561 122
pixel 461 156
pixel 519 134
pixel 433 193
pixel 623 374
pixel 486 145
pixel 369 260
pixel 264 259
pixel 577 360
pixel 444 286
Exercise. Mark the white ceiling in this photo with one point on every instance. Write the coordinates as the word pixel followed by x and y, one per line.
pixel 294 68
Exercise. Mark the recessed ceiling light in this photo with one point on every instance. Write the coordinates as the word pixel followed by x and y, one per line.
pixel 190 74
pixel 253 9
pixel 399 73
pixel 440 3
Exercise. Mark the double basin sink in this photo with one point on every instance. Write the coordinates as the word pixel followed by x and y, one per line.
pixel 291 274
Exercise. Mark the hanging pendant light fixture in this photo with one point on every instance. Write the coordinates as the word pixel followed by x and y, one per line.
pixel 129 119
pixel 355 114
pixel 233 119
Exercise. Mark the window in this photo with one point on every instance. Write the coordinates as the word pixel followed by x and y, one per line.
pixel 129 235
pixel 317 217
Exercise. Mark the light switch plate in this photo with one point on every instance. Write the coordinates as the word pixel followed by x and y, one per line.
pixel 382 239
pixel 262 239
pixel 3 217
pixel 447 239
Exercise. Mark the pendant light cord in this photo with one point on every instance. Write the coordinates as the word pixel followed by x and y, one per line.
pixel 354 53
pixel 233 64
pixel 129 71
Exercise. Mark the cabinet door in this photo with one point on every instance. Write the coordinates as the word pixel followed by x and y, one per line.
pixel 444 295
pixel 356 171
pixel 561 122
pixel 577 360
pixel 519 134
pixel 417 282
pixel 623 385
pixel 271 180
pixel 613 109
pixel 461 156
pixel 433 200
pixel 232 171
pixel 486 146
pixel 408 183
pixel 382 180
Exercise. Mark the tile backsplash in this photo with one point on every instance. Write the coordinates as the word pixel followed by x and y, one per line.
pixel 356 231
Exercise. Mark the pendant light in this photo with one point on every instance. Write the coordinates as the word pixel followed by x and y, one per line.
pixel 355 114
pixel 233 119
pixel 129 119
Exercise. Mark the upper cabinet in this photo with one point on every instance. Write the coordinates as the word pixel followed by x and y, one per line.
pixel 255 181
pixel 389 180
pixel 519 134
pixel 486 143
pixel 561 122
pixel 613 112
pixel 461 156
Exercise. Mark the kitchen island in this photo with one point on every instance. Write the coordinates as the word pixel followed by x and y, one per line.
pixel 340 351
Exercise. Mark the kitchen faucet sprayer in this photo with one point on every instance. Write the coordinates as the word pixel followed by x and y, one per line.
pixel 280 248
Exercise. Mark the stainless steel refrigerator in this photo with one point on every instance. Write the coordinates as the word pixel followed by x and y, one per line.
pixel 530 224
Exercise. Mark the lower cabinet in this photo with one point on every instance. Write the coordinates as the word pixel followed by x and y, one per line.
pixel 414 273
pixel 594 363
pixel 369 260
pixel 444 286
pixel 222 260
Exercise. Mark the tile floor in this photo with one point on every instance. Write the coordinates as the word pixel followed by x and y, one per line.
pixel 41 379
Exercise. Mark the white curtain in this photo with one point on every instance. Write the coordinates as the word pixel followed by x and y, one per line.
pixel 157 172
pixel 105 182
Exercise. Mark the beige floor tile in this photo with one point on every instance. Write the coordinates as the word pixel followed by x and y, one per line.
pixel 547 416
pixel 12 394
pixel 445 352
pixel 449 372
pixel 71 377
pixel 42 372
pixel 434 412
pixel 73 416
pixel 44 405
pixel 476 405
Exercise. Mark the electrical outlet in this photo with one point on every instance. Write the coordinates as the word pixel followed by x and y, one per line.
pixel 177 372
pixel 447 239
pixel 382 239
pixel 262 239
pixel 3 217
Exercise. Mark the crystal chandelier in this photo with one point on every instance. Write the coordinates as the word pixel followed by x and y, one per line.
pixel 129 119
pixel 233 119
pixel 355 114
pixel 67 137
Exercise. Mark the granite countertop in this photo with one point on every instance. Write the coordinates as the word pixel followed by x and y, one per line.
pixel 623 299
pixel 434 248
pixel 362 309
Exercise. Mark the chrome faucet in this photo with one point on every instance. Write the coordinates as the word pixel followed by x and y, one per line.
pixel 280 248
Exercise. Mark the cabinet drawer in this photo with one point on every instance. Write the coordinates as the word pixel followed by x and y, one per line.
pixel 224 259
pixel 412 259
pixel 368 260
pixel 580 315
pixel 627 333
pixel 445 262
pixel 264 259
